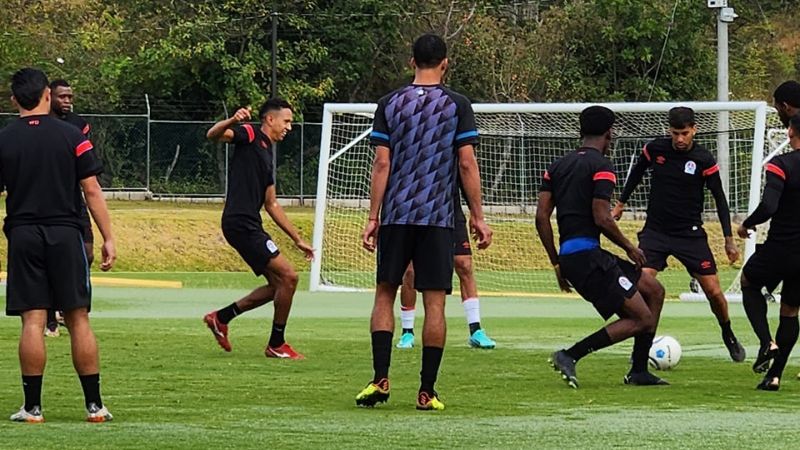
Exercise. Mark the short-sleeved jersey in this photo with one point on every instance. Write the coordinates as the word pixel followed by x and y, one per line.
pixel 42 160
pixel 423 127
pixel 783 180
pixel 677 187
pixel 78 121
pixel 575 180
pixel 250 176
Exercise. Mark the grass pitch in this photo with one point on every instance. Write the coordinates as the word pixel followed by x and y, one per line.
pixel 170 386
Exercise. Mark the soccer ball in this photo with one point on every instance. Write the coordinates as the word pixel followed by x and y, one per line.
pixel 665 353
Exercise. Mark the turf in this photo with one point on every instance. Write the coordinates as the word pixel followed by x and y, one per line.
pixel 169 385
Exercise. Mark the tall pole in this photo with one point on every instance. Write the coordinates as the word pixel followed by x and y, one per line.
pixel 274 88
pixel 723 147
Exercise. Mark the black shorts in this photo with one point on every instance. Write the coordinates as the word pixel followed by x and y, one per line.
pixel 602 279
pixel 460 234
pixel 771 264
pixel 86 222
pixel 47 269
pixel 429 248
pixel 255 246
pixel 693 252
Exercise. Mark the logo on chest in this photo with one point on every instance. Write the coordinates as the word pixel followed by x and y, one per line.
pixel 660 160
pixel 262 143
pixel 690 167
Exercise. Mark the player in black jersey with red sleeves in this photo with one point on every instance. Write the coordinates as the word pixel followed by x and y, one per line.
pixel 681 170
pixel 777 259
pixel 579 187
pixel 251 186
pixel 61 106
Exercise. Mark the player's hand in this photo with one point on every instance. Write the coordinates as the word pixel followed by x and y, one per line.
pixel 109 252
pixel 305 248
pixel 637 256
pixel 616 213
pixel 369 238
pixel 481 232
pixel 562 282
pixel 242 115
pixel 731 249
pixel 743 232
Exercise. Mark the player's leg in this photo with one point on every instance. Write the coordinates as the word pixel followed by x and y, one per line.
pixel 51 330
pixel 653 294
pixel 759 272
pixel 32 360
pixel 408 306
pixel 471 302
pixel 786 336
pixel 719 305
pixel 68 272
pixel 395 249
pixel 282 275
pixel 433 262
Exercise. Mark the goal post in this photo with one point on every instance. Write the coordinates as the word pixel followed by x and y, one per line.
pixel 517 142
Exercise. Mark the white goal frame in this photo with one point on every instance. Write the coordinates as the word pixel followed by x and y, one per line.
pixel 328 154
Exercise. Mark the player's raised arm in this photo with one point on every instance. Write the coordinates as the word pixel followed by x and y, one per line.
pixel 278 215
pixel 222 132
pixel 633 180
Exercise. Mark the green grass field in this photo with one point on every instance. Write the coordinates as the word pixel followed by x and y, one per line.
pixel 170 386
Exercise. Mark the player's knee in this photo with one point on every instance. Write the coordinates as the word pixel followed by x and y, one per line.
pixel 290 279
pixel 463 266
pixel 89 257
pixel 714 293
pixel 76 318
pixel 647 322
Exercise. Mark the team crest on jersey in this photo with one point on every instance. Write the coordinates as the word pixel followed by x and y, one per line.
pixel 625 283
pixel 690 167
pixel 661 160
pixel 271 246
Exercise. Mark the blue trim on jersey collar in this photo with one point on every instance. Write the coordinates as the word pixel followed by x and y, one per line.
pixel 466 134
pixel 578 244
pixel 379 135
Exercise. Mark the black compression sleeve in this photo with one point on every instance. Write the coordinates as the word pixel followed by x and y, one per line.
pixel 769 202
pixel 634 178
pixel 714 183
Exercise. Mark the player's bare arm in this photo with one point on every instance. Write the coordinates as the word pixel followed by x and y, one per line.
pixel 222 132
pixel 96 202
pixel 544 211
pixel 380 176
pixel 608 226
pixel 471 182
pixel 278 215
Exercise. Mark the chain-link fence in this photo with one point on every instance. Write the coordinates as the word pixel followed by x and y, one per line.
pixel 174 158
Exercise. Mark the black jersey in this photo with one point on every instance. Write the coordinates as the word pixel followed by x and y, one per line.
pixel 575 180
pixel 42 160
pixel 250 176
pixel 781 201
pixel 77 121
pixel 677 188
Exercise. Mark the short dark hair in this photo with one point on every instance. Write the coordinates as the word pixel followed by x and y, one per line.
pixel 681 117
pixel 59 83
pixel 27 86
pixel 429 51
pixel 788 92
pixel 596 120
pixel 273 104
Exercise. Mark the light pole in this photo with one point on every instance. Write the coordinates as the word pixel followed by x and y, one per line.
pixel 725 15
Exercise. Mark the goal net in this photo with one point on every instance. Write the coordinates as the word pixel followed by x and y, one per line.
pixel 517 143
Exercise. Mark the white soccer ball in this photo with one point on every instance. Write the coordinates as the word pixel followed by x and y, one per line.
pixel 665 353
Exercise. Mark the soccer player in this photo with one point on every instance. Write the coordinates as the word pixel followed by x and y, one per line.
pixel 754 278
pixel 61 106
pixel 424 135
pixel 469 289
pixel 579 187
pixel 778 259
pixel 681 170
pixel 251 186
pixel 44 164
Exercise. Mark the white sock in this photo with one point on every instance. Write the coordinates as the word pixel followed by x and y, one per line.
pixel 407 317
pixel 472 309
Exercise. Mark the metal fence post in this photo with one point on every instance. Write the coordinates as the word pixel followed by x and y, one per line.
pixel 147 177
pixel 302 157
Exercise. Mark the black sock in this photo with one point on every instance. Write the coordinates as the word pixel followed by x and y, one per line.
pixel 52 323
pixel 755 306
pixel 641 351
pixel 785 337
pixel 381 354
pixel 726 329
pixel 408 331
pixel 473 327
pixel 228 313
pixel 91 389
pixel 431 359
pixel 599 339
pixel 276 339
pixel 32 387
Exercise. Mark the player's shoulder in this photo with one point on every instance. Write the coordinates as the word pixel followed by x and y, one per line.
pixel 456 96
pixel 394 94
pixel 661 144
pixel 702 154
